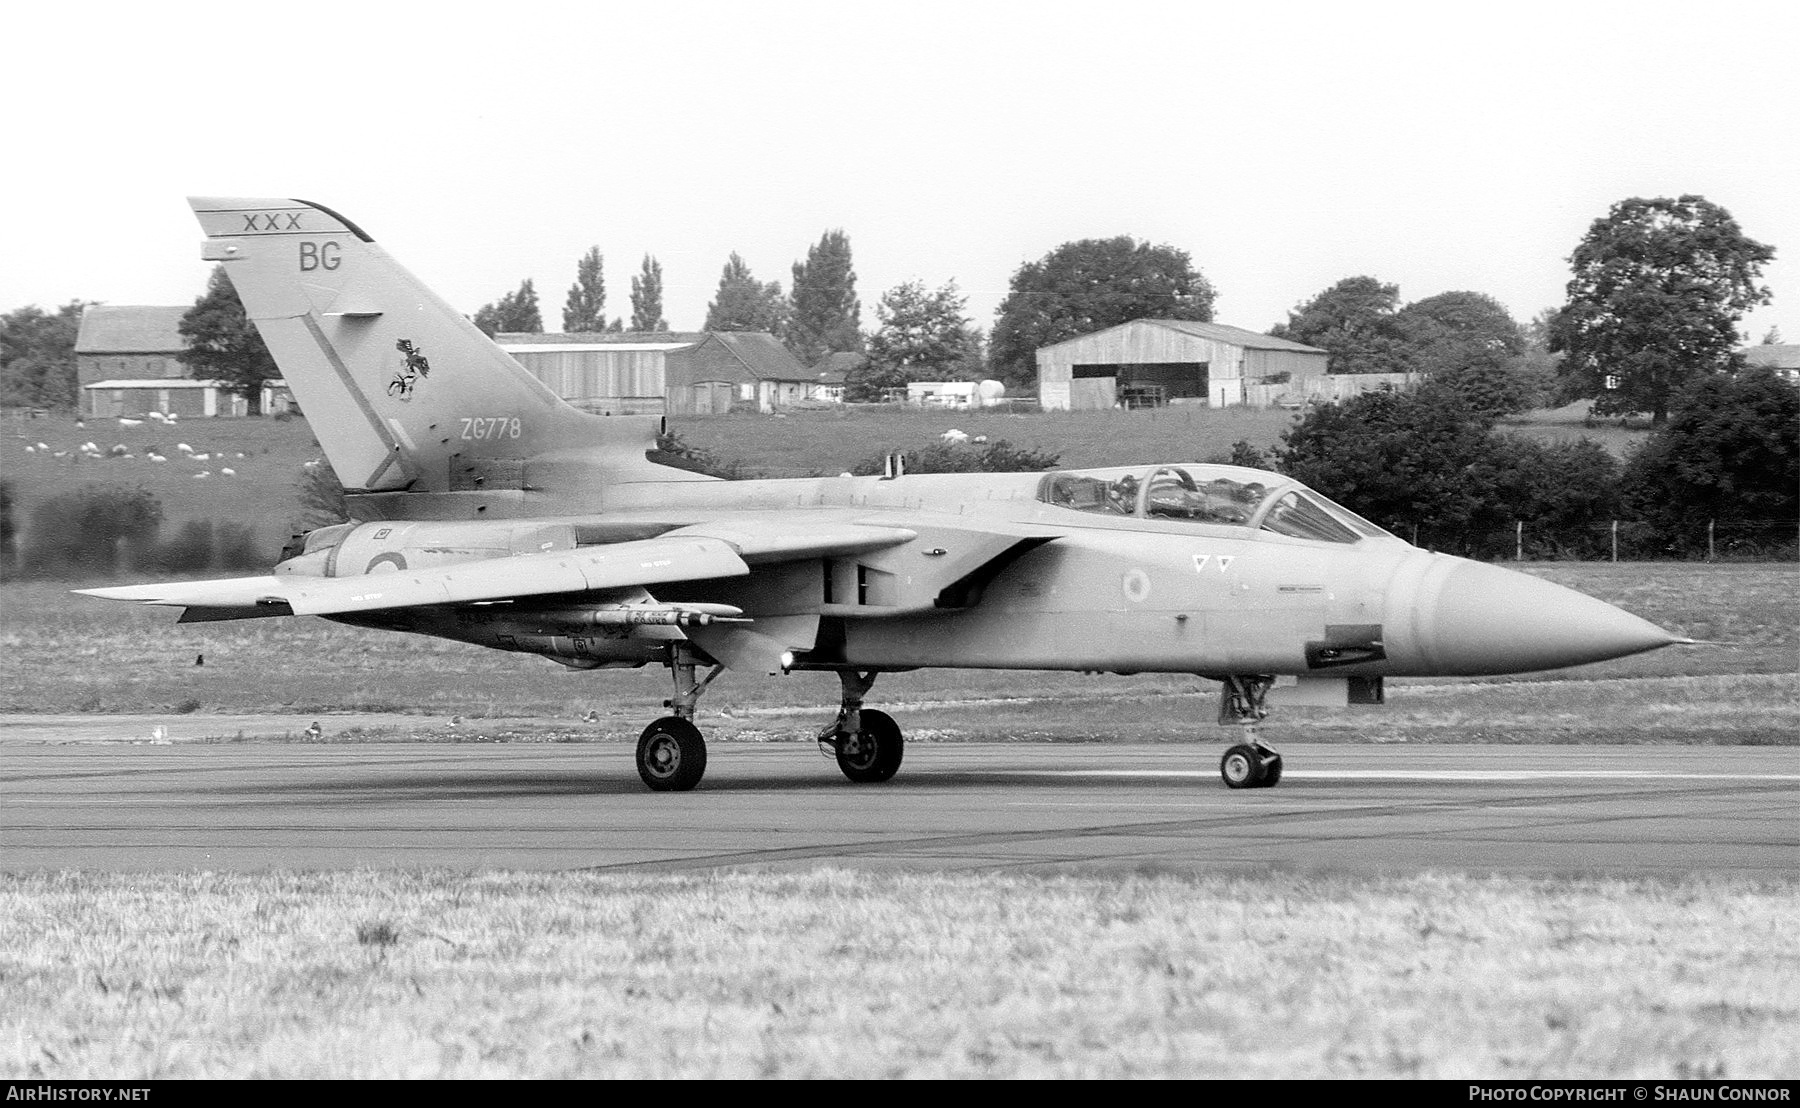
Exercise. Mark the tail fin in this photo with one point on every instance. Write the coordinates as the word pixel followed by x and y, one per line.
pixel 402 391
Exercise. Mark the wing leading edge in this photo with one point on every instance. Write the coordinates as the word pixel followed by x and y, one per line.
pixel 620 565
pixel 691 554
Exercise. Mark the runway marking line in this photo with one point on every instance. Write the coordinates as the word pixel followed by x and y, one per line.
pixel 1425 774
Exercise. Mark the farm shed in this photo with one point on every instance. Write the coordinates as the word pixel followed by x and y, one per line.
pixel 1782 357
pixel 127 362
pixel 1153 362
pixel 666 372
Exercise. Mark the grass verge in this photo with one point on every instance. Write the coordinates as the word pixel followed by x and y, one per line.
pixel 840 974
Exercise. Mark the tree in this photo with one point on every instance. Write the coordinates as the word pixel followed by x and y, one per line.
pixel 585 309
pixel 1460 330
pixel 1401 460
pixel 514 313
pixel 1355 321
pixel 998 456
pixel 92 529
pixel 223 345
pixel 1729 455
pixel 827 316
pixel 1467 343
pixel 1490 391
pixel 1658 288
pixel 1086 286
pixel 647 298
pixel 37 356
pixel 923 336
pixel 1426 466
pixel 745 304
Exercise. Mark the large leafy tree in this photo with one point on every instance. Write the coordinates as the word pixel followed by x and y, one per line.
pixel 923 336
pixel 514 313
pixel 1658 288
pixel 37 356
pixel 827 316
pixel 1457 330
pixel 1427 466
pixel 745 304
pixel 1400 459
pixel 1086 286
pixel 647 298
pixel 585 309
pixel 1729 454
pixel 1468 342
pixel 1357 323
pixel 223 345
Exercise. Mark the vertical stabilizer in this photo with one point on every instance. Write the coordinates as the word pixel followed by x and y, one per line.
pixel 403 392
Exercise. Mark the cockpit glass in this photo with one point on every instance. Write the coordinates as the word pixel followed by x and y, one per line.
pixel 1297 515
pixel 1216 495
pixel 1171 492
pixel 1117 496
pixel 1176 494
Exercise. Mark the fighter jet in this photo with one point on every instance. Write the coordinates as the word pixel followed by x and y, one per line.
pixel 487 510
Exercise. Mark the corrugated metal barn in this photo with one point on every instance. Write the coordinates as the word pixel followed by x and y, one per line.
pixel 1149 363
pixel 665 373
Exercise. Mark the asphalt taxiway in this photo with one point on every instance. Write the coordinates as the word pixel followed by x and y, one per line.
pixel 1046 808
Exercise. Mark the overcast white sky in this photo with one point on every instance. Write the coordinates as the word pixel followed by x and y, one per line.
pixel 1283 145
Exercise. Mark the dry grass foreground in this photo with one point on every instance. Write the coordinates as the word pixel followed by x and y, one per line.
pixel 839 974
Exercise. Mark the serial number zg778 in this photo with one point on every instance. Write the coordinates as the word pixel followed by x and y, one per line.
pixel 491 427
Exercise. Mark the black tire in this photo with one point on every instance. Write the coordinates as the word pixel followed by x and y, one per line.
pixel 1271 775
pixel 1241 767
pixel 873 755
pixel 671 755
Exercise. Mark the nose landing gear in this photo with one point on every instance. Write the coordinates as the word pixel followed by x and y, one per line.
pixel 1242 703
pixel 1250 766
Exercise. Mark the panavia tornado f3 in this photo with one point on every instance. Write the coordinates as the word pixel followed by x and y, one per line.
pixel 489 511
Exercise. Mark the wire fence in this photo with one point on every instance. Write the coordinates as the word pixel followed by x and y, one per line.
pixel 1618 540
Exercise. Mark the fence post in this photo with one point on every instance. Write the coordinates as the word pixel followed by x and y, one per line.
pixel 1519 540
pixel 1709 538
pixel 1615 539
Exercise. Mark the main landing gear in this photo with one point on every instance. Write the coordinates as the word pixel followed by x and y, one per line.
pixel 1248 765
pixel 671 753
pixel 867 743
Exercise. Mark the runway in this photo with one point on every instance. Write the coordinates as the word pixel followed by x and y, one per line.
pixel 1041 808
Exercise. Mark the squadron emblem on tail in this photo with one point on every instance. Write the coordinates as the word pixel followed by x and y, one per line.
pixel 416 368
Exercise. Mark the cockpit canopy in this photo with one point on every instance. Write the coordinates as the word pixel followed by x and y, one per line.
pixel 1226 496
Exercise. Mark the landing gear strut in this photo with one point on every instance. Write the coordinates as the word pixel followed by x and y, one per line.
pixel 671 754
pixel 1242 703
pixel 867 743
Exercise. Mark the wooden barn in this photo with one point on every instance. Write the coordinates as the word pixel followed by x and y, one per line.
pixel 1150 363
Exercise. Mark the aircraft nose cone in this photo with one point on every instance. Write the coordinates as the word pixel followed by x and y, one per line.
pixel 1481 619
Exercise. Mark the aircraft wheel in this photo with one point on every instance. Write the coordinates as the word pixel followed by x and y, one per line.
pixel 671 755
pixel 1242 767
pixel 1271 773
pixel 872 755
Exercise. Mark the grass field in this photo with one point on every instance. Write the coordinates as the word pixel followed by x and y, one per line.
pixel 855 975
